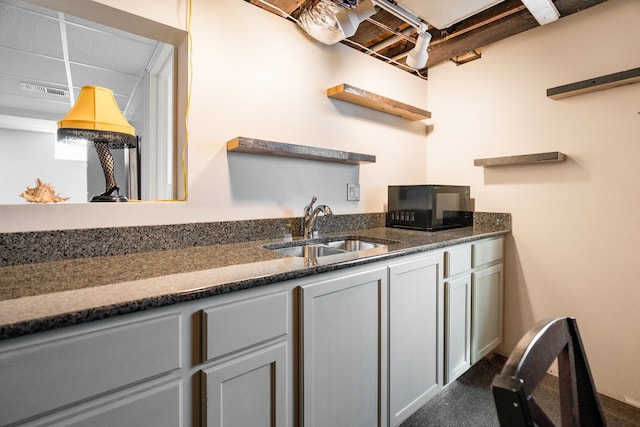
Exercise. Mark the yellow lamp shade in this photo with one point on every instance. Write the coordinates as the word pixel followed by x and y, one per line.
pixel 96 109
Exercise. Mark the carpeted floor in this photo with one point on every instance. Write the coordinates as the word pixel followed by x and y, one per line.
pixel 468 401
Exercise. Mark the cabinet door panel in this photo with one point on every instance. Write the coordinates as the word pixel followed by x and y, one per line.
pixel 414 337
pixel 344 351
pixel 457 327
pixel 247 391
pixel 487 311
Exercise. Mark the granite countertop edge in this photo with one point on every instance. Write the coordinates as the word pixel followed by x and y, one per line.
pixel 260 267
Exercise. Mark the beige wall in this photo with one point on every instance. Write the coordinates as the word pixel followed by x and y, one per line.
pixel 574 247
pixel 257 75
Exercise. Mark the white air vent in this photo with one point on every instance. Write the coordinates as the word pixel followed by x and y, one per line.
pixel 32 87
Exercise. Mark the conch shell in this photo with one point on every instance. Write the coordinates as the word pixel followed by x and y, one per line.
pixel 42 193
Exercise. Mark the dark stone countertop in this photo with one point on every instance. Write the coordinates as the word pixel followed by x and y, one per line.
pixel 41 296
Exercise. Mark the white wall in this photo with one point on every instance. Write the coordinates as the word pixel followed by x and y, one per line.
pixel 68 177
pixel 257 75
pixel 574 246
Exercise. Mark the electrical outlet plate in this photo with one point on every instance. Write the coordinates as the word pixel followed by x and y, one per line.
pixel 353 192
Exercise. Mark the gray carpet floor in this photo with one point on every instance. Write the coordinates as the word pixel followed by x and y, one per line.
pixel 468 401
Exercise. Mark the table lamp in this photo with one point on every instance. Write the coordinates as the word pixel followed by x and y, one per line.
pixel 96 118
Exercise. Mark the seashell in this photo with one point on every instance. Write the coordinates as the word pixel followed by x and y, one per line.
pixel 42 193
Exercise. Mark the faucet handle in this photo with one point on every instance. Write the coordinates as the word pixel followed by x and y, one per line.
pixel 308 208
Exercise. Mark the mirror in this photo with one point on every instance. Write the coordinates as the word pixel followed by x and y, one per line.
pixel 48 55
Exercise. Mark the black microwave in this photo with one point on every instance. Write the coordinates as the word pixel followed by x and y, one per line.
pixel 429 207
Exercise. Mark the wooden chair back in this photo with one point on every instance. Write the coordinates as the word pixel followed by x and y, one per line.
pixel 527 365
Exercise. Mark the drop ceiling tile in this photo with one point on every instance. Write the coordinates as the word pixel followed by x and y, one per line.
pixel 108 51
pixel 30 32
pixel 32 67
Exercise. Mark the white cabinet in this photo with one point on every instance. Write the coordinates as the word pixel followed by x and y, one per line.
pixel 487 312
pixel 487 295
pixel 246 373
pixel 457 311
pixel 124 364
pixel 457 327
pixel 223 361
pixel 415 338
pixel 473 303
pixel 373 344
pixel 344 349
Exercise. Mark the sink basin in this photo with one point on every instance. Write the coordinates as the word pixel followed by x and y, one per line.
pixel 329 246
pixel 309 251
pixel 350 245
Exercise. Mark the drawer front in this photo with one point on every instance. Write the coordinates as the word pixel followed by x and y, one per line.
pixel 232 327
pixel 45 372
pixel 488 251
pixel 457 260
pixel 158 405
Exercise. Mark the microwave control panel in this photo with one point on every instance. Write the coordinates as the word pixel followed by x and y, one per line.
pixel 403 216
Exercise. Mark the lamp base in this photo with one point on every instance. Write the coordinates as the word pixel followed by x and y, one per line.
pixel 105 198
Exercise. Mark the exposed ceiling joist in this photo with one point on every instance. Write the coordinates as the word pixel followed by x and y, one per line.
pixel 391 39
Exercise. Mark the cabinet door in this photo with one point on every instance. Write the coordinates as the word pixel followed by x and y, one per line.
pixel 486 310
pixel 457 329
pixel 415 341
pixel 344 351
pixel 249 390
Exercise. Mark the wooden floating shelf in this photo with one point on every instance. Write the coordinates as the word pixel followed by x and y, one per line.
pixel 525 159
pixel 598 83
pixel 280 149
pixel 354 95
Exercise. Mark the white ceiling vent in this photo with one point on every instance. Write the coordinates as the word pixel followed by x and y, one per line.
pixel 46 90
pixel 444 13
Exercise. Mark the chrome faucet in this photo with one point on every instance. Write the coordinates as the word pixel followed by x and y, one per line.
pixel 310 217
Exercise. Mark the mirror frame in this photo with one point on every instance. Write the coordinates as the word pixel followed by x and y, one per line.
pixel 126 21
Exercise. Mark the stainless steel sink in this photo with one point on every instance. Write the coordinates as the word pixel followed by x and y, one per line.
pixel 309 251
pixel 351 245
pixel 329 246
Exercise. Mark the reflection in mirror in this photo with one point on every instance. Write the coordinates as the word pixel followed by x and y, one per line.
pixel 47 57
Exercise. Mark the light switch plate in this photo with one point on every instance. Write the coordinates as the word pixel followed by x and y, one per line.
pixel 353 192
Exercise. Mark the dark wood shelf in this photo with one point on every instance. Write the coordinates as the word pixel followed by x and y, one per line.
pixel 598 83
pixel 280 149
pixel 525 159
pixel 354 95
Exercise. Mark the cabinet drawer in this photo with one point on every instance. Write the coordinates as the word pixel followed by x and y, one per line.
pixel 457 260
pixel 487 251
pixel 52 370
pixel 232 327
